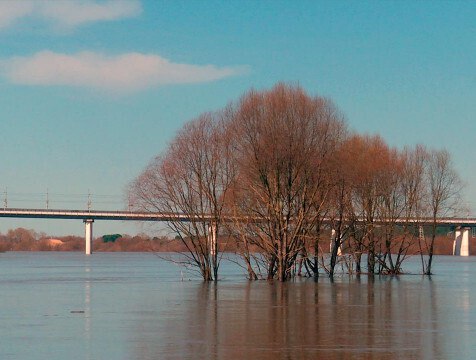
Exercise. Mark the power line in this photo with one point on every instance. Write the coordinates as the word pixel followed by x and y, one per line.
pixel 50 198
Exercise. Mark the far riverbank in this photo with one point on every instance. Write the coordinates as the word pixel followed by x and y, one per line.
pixel 21 239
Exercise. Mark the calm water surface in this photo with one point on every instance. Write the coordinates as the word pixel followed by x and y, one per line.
pixel 135 306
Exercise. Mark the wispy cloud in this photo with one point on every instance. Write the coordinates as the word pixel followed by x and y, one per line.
pixel 67 13
pixel 118 74
pixel 11 11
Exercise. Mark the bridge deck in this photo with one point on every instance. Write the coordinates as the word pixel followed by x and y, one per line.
pixel 90 215
pixel 151 216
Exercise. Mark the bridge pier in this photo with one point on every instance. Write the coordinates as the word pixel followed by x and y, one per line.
pixel 212 238
pixel 339 250
pixel 461 242
pixel 88 225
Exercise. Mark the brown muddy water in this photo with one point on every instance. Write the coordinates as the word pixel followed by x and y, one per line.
pixel 136 306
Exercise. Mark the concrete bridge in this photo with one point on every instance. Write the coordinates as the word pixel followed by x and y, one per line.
pixel 463 225
pixel 89 216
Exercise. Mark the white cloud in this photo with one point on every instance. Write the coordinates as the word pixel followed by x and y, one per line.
pixel 67 13
pixel 123 73
pixel 11 11
pixel 73 13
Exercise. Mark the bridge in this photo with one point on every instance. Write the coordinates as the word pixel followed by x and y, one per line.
pixel 89 216
pixel 462 225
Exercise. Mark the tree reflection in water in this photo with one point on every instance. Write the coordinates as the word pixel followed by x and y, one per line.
pixel 381 318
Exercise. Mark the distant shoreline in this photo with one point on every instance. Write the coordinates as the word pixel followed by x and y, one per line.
pixel 28 240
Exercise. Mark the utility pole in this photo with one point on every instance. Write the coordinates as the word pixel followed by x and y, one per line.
pixel 89 200
pixel 129 202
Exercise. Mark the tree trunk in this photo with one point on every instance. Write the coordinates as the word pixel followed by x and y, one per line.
pixel 271 268
pixel 431 249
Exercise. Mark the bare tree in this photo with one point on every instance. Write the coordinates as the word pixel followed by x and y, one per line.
pixel 340 211
pixel 284 139
pixel 192 178
pixel 444 188
pixel 410 187
pixel 370 155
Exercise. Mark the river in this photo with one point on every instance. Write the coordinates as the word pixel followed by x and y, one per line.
pixel 137 306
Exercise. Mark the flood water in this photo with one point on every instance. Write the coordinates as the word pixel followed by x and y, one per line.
pixel 136 306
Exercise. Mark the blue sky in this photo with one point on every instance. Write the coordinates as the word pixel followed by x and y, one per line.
pixel 91 91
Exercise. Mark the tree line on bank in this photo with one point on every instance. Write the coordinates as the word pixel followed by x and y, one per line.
pixel 21 239
pixel 278 171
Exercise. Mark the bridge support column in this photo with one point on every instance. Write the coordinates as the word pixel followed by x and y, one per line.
pixel 212 238
pixel 461 242
pixel 88 225
pixel 339 250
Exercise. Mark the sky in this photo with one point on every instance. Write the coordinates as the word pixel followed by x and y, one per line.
pixel 91 91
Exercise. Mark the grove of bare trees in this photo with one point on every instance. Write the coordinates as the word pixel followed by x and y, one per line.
pixel 280 176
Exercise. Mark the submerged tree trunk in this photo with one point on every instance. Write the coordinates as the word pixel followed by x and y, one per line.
pixel 427 271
